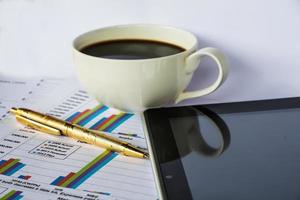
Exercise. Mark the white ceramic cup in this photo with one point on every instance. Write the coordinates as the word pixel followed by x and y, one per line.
pixel 135 85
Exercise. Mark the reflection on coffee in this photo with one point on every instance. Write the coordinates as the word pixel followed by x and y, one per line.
pixel 131 49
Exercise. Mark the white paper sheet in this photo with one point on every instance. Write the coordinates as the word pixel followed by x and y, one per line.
pixel 62 162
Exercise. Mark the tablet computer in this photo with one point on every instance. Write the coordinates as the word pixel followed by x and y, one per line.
pixel 244 150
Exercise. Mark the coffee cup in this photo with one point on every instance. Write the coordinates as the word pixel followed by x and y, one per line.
pixel 135 67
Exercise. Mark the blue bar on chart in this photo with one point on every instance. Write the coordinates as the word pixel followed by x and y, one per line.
pixel 11 166
pixel 82 118
pixel 12 195
pixel 25 177
pixel 111 123
pixel 73 180
pixel 107 124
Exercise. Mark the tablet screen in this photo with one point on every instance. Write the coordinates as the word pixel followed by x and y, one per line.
pixel 244 150
pixel 256 157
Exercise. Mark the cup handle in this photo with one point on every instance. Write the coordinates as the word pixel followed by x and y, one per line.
pixel 192 62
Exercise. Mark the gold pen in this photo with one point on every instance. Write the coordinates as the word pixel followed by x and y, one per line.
pixel 55 126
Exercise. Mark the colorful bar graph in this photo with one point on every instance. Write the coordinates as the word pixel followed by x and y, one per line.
pixel 107 124
pixel 102 125
pixel 12 195
pixel 64 179
pixel 93 113
pixel 25 177
pixel 77 116
pixel 82 118
pixel 11 166
pixel 72 117
pixel 57 180
pixel 111 123
pixel 73 180
pixel 121 118
pixel 94 127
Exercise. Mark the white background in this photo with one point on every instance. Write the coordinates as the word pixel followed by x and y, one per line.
pixel 260 38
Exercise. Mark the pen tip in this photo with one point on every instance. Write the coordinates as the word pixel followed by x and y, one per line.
pixel 146 155
pixel 13 110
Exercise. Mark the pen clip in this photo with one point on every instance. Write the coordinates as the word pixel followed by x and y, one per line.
pixel 37 125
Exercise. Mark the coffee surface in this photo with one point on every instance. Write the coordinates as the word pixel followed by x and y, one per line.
pixel 131 49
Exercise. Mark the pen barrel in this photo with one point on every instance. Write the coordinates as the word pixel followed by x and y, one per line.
pixel 91 137
pixel 102 140
pixel 43 119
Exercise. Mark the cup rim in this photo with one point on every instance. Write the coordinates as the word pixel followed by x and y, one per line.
pixel 194 46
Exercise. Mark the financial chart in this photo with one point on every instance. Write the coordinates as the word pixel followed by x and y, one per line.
pixel 62 163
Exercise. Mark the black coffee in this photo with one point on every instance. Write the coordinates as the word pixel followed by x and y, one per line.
pixel 131 49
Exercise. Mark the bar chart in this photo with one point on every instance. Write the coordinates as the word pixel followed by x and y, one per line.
pixel 84 117
pixel 73 180
pixel 11 166
pixel 107 124
pixel 12 195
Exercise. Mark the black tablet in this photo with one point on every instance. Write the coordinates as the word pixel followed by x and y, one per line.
pixel 243 150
